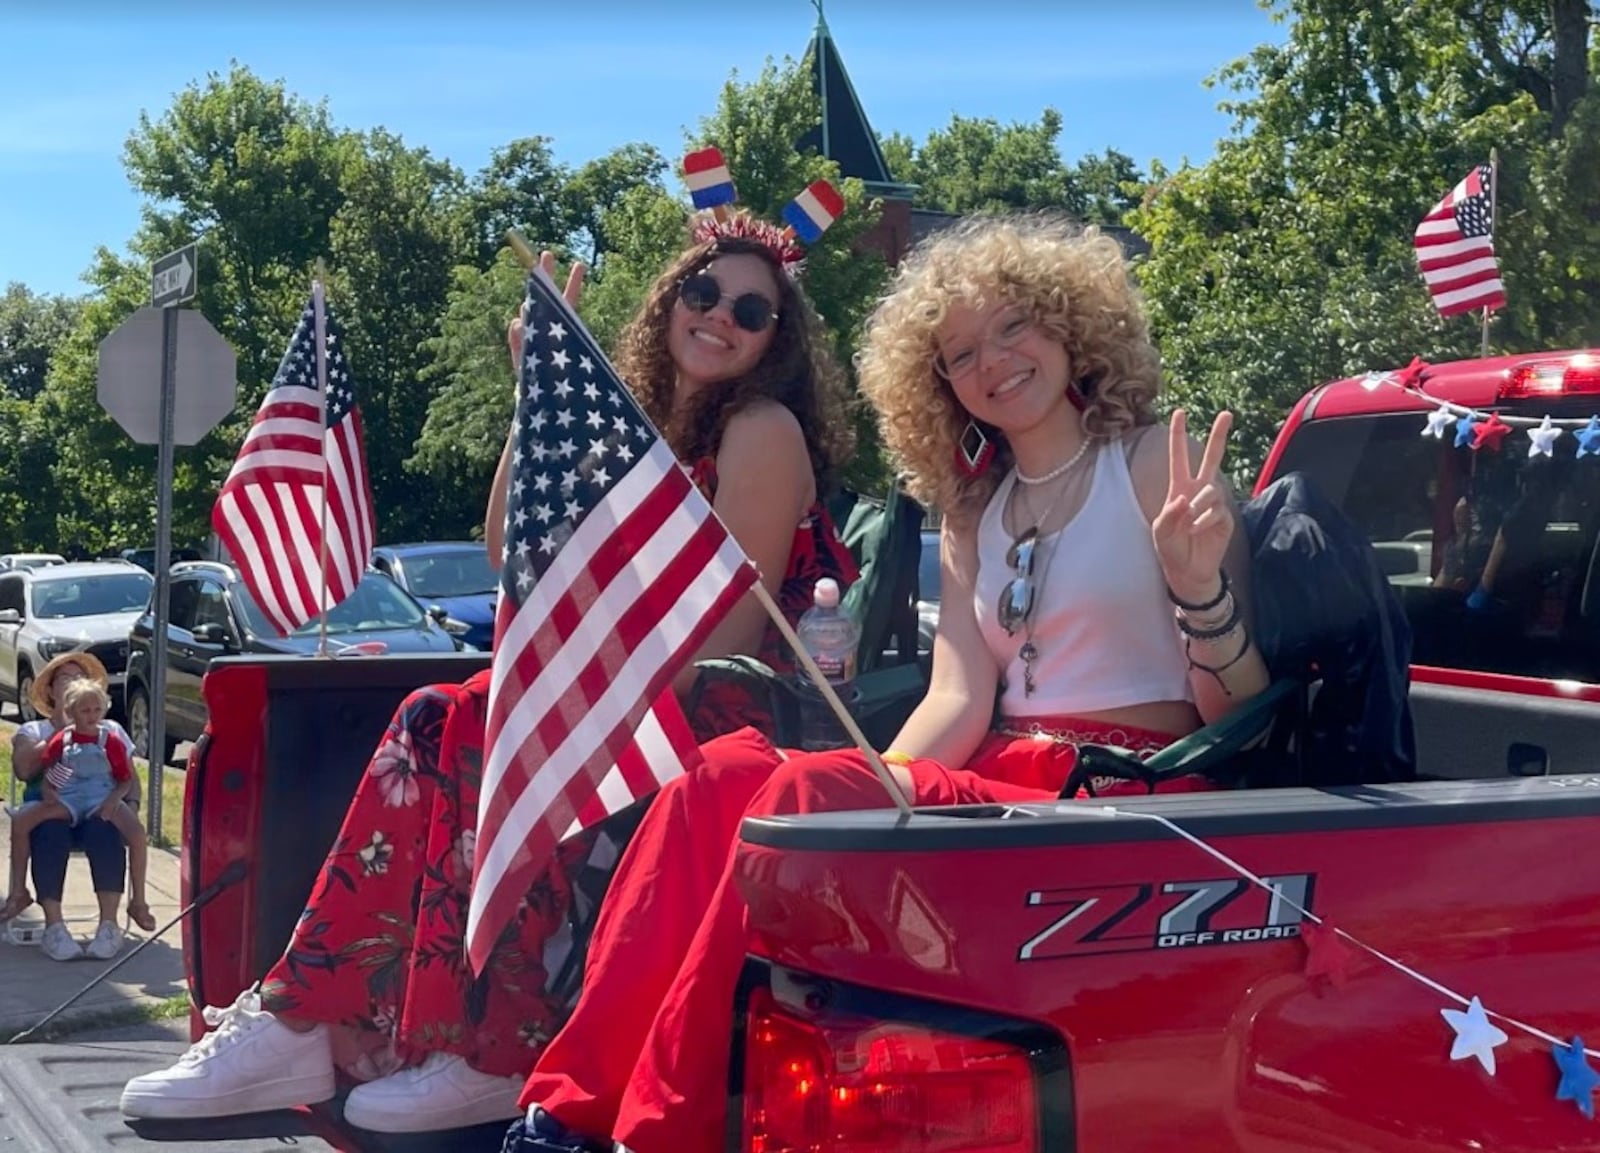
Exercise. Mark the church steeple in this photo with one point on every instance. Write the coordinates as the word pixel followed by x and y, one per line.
pixel 845 136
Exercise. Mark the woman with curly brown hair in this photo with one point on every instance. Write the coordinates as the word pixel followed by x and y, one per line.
pixel 730 361
pixel 1092 592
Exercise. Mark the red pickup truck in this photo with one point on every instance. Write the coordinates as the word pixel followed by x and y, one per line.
pixel 1060 977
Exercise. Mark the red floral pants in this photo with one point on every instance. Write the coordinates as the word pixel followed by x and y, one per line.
pixel 379 946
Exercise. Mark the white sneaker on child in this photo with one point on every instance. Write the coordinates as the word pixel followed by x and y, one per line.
pixel 60 944
pixel 443 1092
pixel 107 941
pixel 249 1063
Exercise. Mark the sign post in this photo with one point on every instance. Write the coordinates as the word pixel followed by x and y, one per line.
pixel 192 369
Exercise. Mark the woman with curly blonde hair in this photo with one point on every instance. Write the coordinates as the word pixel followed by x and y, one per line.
pixel 1092 590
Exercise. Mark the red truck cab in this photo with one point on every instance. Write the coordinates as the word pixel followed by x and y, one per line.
pixel 1059 977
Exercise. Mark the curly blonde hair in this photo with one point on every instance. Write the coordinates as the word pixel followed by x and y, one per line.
pixel 799 369
pixel 82 689
pixel 1073 280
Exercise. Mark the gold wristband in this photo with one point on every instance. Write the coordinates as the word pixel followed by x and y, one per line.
pixel 895 757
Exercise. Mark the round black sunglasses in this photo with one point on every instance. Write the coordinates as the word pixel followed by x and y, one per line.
pixel 751 311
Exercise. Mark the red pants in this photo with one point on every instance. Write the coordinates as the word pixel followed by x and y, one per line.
pixel 644 1058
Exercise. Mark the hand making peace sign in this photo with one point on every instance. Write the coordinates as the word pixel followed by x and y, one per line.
pixel 1192 531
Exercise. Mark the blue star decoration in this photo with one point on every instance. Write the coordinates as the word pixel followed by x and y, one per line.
pixel 1464 430
pixel 1578 1081
pixel 1589 438
pixel 1476 1036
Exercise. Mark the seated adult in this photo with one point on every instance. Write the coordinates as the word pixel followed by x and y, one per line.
pixel 1093 585
pixel 729 360
pixel 52 843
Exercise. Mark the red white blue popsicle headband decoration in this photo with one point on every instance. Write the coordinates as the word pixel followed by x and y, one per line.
pixel 805 218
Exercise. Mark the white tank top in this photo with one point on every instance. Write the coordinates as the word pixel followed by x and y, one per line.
pixel 1102 624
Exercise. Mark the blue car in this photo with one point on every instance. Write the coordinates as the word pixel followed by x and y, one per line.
pixel 453 580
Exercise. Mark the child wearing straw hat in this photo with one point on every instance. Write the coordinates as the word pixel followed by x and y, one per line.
pixel 88 771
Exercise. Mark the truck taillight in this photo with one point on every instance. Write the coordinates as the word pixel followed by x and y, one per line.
pixel 1560 376
pixel 842 1085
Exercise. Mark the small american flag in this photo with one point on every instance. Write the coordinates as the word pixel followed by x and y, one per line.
pixel 615 570
pixel 1455 248
pixel 296 555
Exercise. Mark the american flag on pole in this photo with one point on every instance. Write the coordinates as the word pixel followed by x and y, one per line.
pixel 615 570
pixel 296 555
pixel 1455 248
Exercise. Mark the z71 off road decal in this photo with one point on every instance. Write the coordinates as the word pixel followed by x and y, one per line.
pixel 1082 921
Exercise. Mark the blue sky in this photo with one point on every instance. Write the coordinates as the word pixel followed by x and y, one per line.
pixel 461 78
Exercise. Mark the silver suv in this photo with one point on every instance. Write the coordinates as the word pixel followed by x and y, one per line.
pixel 47 611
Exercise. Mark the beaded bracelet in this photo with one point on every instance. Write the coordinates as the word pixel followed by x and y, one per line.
pixel 1211 633
pixel 1209 620
pixel 1191 607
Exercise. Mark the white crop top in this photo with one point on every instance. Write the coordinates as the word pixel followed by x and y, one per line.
pixel 1103 628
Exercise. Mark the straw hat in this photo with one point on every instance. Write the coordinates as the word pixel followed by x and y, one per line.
pixel 39 697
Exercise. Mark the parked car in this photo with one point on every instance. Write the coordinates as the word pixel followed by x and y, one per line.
pixel 50 609
pixel 17 560
pixel 212 614
pixel 145 558
pixel 453 576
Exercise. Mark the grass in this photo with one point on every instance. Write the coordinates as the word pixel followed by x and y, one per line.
pixel 113 1017
pixel 171 834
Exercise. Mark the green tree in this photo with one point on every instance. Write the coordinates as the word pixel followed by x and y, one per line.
pixel 30 328
pixel 394 241
pixel 981 165
pixel 1286 260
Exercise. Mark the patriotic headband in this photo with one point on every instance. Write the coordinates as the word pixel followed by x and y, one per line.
pixel 805 218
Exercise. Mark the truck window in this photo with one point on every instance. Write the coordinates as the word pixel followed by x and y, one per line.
pixel 1493 554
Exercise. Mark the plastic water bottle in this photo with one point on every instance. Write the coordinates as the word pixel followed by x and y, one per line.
pixel 830 636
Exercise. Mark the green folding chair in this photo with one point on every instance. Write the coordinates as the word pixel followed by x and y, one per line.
pixel 885 537
pixel 1254 746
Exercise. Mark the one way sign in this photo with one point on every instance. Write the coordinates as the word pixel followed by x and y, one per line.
pixel 174 278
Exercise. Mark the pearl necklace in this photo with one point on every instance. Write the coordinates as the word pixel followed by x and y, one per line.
pixel 1060 470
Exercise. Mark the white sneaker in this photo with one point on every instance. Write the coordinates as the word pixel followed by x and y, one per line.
pixel 60 944
pixel 250 1063
pixel 107 941
pixel 444 1092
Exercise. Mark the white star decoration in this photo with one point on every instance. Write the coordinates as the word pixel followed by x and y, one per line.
pixel 1543 438
pixel 1475 1035
pixel 1439 422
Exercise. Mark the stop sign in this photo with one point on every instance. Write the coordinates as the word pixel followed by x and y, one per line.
pixel 129 386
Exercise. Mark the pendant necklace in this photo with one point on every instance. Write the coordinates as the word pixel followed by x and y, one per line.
pixel 1029 652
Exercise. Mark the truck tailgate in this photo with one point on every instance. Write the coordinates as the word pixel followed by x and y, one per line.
pixel 1179 988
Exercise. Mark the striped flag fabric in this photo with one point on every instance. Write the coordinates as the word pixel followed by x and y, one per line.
pixel 295 512
pixel 1455 248
pixel 615 571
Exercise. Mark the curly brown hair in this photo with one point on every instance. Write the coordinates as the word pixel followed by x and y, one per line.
pixel 799 369
pixel 1075 283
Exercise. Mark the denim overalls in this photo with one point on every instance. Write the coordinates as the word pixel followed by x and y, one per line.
pixel 91 781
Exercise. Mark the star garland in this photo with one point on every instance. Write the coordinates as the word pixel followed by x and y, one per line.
pixel 1477 430
pixel 1331 952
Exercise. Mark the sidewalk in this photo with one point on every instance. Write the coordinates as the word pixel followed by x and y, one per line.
pixel 31 984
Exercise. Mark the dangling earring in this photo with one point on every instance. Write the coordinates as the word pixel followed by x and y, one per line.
pixel 974 450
